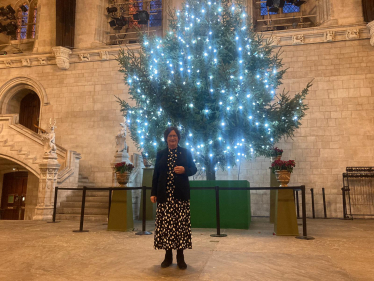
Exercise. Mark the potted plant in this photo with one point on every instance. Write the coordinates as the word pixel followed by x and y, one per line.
pixel 283 170
pixel 123 172
pixel 276 153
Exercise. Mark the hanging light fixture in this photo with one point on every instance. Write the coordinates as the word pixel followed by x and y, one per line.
pixel 142 17
pixel 23 8
pixel 299 3
pixel 11 28
pixel 111 10
pixel 118 23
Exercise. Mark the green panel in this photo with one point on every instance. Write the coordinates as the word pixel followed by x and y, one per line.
pixel 235 205
pixel 150 207
pixel 120 217
pixel 285 222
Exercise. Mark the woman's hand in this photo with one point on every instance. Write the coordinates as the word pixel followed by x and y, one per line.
pixel 153 199
pixel 179 169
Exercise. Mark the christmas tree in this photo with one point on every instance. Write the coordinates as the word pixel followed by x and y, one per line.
pixel 215 79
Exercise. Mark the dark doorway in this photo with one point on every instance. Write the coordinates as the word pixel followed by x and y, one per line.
pixel 14 196
pixel 29 111
pixel 368 9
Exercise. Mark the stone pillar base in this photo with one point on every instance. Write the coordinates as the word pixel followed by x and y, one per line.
pixel 370 26
pixel 43 213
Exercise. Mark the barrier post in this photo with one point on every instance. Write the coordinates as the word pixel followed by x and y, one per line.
pixel 297 204
pixel 82 211
pixel 312 194
pixel 344 205
pixel 216 188
pixel 303 209
pixel 324 202
pixel 143 232
pixel 110 202
pixel 54 207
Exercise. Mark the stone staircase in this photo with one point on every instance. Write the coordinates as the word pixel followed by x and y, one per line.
pixel 96 206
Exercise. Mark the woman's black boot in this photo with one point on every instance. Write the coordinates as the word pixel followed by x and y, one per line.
pixel 168 259
pixel 180 260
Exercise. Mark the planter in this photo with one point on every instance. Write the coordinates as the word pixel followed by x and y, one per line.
pixel 283 177
pixel 123 178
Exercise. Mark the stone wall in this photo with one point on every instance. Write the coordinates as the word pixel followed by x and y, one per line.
pixel 337 129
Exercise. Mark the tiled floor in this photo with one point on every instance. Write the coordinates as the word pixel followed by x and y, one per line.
pixel 32 250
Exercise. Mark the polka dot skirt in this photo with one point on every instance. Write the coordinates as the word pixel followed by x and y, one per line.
pixel 173 224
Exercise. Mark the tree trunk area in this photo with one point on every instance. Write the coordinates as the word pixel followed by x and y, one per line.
pixel 210 172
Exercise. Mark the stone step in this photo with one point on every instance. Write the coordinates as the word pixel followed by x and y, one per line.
pixel 87 211
pixel 86 184
pixel 14 148
pixel 91 193
pixel 31 158
pixel 75 217
pixel 25 153
pixel 88 199
pixel 99 205
pixel 8 144
pixel 83 180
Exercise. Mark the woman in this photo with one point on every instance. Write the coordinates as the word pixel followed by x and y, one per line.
pixel 171 191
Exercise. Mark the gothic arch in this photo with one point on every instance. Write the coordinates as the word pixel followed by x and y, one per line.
pixel 29 168
pixel 13 86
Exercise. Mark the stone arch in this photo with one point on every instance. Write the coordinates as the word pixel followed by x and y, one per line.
pixel 21 163
pixel 18 84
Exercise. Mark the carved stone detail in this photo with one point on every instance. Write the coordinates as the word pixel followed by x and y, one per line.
pixel 48 177
pixel 298 39
pixel 43 61
pixel 329 36
pixel 62 57
pixel 26 62
pixel 352 34
pixel 8 63
pixel 104 55
pixel 370 25
pixel 84 57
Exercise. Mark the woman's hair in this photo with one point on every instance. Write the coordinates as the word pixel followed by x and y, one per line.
pixel 168 130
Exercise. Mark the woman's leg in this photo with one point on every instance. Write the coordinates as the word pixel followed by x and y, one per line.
pixel 168 259
pixel 180 259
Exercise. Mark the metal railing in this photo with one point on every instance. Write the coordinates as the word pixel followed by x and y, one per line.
pixel 216 188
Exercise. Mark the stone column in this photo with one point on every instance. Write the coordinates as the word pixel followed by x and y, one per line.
pixel 47 183
pixel 88 21
pixel 46 27
pixel 370 25
pixel 121 154
pixel 48 176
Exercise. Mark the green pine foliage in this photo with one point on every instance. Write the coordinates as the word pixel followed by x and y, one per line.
pixel 217 80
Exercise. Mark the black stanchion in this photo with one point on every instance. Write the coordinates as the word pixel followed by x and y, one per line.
pixel 312 194
pixel 218 216
pixel 110 202
pixel 345 211
pixel 82 211
pixel 297 204
pixel 303 208
pixel 324 202
pixel 54 207
pixel 109 205
pixel 143 232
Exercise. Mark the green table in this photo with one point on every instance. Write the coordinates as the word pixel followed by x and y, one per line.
pixel 235 205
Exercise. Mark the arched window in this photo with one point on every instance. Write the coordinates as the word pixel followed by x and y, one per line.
pixel 26 12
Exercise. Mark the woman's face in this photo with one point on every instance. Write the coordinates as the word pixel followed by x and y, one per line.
pixel 172 139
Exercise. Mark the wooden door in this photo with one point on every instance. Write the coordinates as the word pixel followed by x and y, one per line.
pixel 29 111
pixel 368 9
pixel 65 23
pixel 14 196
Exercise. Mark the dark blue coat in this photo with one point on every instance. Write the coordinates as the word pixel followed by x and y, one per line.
pixel 182 185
